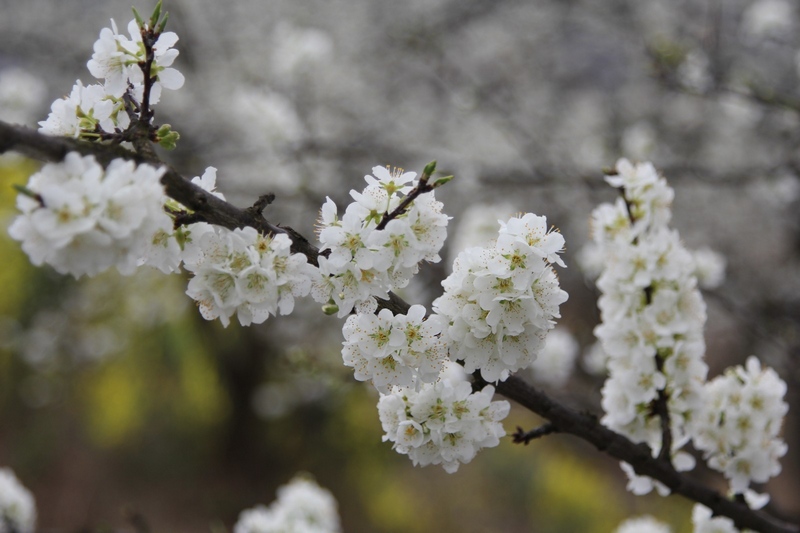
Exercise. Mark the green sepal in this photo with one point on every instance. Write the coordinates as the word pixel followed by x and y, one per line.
pixel 161 26
pixel 156 15
pixel 138 17
pixel 27 192
pixel 330 308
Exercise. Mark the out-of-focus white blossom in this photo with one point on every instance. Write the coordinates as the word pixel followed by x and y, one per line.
pixel 297 50
pixel 17 507
pixel 595 359
pixel 477 226
pixel 639 140
pixel 302 507
pixel 641 485
pixel 21 95
pixel 709 268
pixel 555 361
pixel 768 18
pixel 442 423
pixel 694 73
pixel 84 219
pixel 643 524
pixel 270 118
pixel 738 427
pixel 703 521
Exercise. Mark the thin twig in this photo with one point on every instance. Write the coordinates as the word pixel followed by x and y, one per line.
pixel 525 437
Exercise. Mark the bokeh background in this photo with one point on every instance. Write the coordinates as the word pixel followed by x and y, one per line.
pixel 118 400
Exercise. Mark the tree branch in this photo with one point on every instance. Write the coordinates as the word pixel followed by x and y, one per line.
pixel 639 456
pixel 562 419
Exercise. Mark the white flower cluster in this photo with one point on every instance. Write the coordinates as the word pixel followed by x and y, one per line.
pixel 302 507
pixel 442 423
pixel 500 301
pixel 246 273
pixel 17 507
pixel 393 350
pixel 364 261
pixel 652 337
pixel 738 427
pixel 116 61
pixel 82 219
pixel 653 314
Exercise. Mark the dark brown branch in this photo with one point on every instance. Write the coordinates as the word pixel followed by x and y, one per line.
pixel 421 188
pixel 639 456
pixel 563 419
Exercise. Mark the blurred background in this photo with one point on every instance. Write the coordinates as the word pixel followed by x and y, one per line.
pixel 118 400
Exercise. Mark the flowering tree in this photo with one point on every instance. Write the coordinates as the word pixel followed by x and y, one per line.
pixel 106 200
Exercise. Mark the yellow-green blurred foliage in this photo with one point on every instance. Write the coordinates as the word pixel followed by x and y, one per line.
pixel 15 265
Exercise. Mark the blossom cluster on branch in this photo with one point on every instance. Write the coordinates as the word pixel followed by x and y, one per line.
pixel 133 69
pixel 652 335
pixel 497 306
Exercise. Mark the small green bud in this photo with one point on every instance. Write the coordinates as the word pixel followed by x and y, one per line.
pixel 441 181
pixel 330 308
pixel 429 169
pixel 167 138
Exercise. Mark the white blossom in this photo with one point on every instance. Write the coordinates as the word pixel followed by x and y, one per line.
pixel 17 506
pixel 302 506
pixel 84 219
pixel 246 273
pixel 500 301
pixel 361 261
pixel 21 95
pixel 652 312
pixel 116 60
pixel 642 524
pixel 391 350
pixel 739 425
pixel 443 422
pixel 554 363
pixel 168 246
pixel 80 113
pixel 703 521
pixel 709 268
